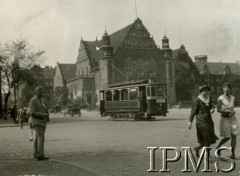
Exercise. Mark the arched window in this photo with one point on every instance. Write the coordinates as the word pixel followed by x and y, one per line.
pixel 128 65
pixel 140 66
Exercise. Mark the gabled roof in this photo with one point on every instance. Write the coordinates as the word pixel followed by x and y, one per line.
pixel 91 47
pixel 218 68
pixel 116 40
pixel 68 71
pixel 117 37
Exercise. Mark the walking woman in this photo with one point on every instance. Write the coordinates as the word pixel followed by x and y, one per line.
pixel 202 109
pixel 228 124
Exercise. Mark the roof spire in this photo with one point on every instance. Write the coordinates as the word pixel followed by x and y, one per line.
pixel 136 9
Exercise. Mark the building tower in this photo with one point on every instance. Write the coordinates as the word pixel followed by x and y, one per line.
pixel 106 61
pixel 170 72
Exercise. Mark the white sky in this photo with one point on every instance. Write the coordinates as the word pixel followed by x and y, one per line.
pixel 56 26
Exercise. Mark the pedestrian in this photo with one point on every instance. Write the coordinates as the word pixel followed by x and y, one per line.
pixel 228 124
pixel 202 109
pixel 142 99
pixel 21 116
pixel 13 113
pixel 39 117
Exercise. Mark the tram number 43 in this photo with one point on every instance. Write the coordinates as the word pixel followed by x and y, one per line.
pixel 189 158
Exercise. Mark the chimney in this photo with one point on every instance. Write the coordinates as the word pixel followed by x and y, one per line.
pixel 201 59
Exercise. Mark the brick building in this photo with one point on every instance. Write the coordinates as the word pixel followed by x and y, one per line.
pixel 215 73
pixel 128 54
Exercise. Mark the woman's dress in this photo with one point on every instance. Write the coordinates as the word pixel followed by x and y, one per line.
pixel 228 124
pixel 204 125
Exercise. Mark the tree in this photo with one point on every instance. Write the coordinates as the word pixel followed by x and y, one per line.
pixel 61 96
pixel 33 77
pixel 16 59
pixel 187 77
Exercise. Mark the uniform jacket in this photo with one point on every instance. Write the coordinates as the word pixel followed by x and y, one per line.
pixel 38 112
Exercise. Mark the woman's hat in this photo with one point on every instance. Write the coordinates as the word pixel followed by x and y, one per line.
pixel 204 87
pixel 227 84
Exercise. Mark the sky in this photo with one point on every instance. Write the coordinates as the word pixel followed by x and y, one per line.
pixel 205 27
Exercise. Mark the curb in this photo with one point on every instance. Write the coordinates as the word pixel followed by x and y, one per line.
pixel 12 125
pixel 81 171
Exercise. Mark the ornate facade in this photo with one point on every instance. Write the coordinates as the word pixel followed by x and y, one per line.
pixel 126 55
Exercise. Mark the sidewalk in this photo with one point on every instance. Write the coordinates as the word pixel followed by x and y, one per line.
pixel 33 167
pixel 8 123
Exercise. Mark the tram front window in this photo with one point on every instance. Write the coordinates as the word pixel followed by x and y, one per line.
pixel 148 91
pixel 108 96
pixel 133 94
pixel 160 91
pixel 116 95
pixel 153 91
pixel 124 94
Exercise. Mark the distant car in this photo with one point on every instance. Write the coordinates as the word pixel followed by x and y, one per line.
pixel 56 109
pixel 72 110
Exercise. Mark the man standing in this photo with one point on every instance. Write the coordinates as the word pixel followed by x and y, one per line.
pixel 39 116
pixel 21 116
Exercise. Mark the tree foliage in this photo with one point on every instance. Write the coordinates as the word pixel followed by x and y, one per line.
pixel 17 58
pixel 33 77
pixel 187 77
pixel 61 96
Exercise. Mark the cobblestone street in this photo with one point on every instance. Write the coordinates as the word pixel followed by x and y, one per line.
pixel 92 145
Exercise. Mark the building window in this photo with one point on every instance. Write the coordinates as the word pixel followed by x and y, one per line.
pixel 134 68
pixel 71 88
pixel 134 43
pixel 151 66
pixel 128 65
pixel 82 71
pixel 140 66
pixel 128 43
pixel 139 43
pixel 87 71
pixel 138 26
pixel 75 89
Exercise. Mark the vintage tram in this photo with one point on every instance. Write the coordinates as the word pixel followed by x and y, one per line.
pixel 134 100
